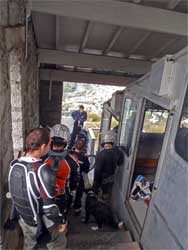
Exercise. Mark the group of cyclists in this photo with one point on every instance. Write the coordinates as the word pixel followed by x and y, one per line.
pixel 42 183
pixel 47 181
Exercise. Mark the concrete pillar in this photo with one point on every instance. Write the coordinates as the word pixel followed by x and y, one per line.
pixel 6 149
pixel 18 97
pixel 50 102
pixel 15 75
pixel 23 74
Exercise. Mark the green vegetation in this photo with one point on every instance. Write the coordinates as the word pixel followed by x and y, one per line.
pixel 69 86
pixel 157 126
pixel 92 117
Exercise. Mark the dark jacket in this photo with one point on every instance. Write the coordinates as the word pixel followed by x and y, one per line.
pixel 78 116
pixel 106 163
pixel 74 177
pixel 83 161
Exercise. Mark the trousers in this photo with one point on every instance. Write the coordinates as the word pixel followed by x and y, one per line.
pixel 57 240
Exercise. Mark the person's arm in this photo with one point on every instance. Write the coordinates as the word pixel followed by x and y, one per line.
pixel 74 115
pixel 98 173
pixel 119 155
pixel 12 220
pixel 73 178
pixel 85 165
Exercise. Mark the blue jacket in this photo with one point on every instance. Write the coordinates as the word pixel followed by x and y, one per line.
pixel 78 116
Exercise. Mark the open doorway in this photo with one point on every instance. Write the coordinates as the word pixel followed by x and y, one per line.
pixel 147 156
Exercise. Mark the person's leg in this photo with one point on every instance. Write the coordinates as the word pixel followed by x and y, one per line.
pixel 69 199
pixel 78 197
pixel 115 218
pixel 29 235
pixel 112 215
pixel 73 135
pixel 87 216
pixel 58 240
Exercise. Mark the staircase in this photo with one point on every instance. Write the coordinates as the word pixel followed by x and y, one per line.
pixel 80 237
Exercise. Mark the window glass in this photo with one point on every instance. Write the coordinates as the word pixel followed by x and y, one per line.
pixel 181 142
pixel 114 123
pixel 155 121
pixel 128 121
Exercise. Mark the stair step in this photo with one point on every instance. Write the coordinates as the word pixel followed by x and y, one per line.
pixel 128 237
pixel 119 246
pixel 98 239
pixel 126 246
pixel 80 236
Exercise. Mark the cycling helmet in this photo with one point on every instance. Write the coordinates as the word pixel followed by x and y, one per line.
pixel 107 137
pixel 60 134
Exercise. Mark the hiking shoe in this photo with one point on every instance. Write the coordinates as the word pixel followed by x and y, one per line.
pixel 120 225
pixel 95 228
pixel 83 220
pixel 77 211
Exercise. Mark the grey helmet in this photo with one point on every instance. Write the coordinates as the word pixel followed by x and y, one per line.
pixel 60 132
pixel 107 137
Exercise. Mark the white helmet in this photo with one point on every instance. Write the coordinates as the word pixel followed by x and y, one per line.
pixel 107 137
pixel 60 131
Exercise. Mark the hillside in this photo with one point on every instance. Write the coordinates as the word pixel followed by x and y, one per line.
pixel 92 96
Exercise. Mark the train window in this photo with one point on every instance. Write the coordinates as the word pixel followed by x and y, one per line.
pixel 114 126
pixel 155 121
pixel 129 115
pixel 181 141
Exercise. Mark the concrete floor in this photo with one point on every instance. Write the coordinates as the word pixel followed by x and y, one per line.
pixel 80 236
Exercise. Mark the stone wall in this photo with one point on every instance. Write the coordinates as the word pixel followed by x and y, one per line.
pixel 30 89
pixel 6 149
pixel 23 73
pixel 19 110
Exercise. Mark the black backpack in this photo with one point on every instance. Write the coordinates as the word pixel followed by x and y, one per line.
pixel 57 158
pixel 24 189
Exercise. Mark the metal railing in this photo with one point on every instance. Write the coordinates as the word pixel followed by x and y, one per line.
pixel 91 142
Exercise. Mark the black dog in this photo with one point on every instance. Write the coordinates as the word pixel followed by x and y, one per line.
pixel 100 211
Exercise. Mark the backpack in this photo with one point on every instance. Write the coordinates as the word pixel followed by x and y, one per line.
pixel 57 158
pixel 24 189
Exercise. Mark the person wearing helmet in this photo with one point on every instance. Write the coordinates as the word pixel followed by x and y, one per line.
pixel 56 160
pixel 64 164
pixel 74 177
pixel 79 151
pixel 106 163
pixel 75 131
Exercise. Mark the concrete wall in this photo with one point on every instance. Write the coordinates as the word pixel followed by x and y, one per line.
pixel 50 102
pixel 18 98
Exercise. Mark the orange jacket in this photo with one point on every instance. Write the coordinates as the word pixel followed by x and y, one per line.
pixel 62 175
